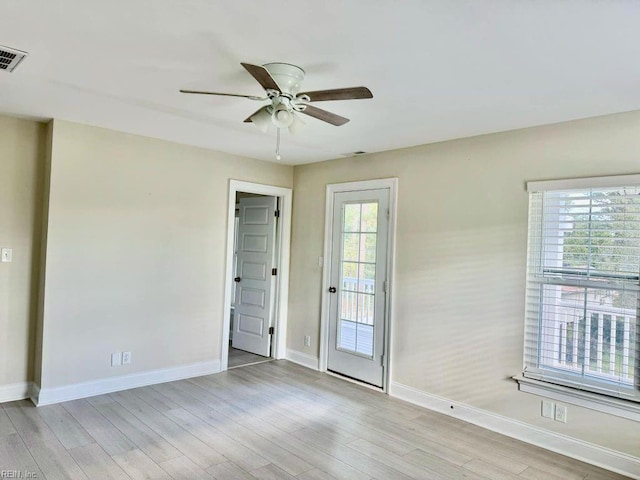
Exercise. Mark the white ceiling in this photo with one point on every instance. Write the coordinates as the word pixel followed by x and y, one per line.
pixel 438 69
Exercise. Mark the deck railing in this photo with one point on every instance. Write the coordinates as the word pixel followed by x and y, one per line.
pixel 596 340
pixel 358 301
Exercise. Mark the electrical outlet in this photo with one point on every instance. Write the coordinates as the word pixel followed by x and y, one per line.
pixel 126 358
pixel 561 413
pixel 307 340
pixel 548 409
pixel 116 359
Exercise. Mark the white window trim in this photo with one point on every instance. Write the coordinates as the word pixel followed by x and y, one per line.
pixel 588 182
pixel 601 403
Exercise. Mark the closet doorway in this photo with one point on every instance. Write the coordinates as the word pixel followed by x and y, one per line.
pixel 257 274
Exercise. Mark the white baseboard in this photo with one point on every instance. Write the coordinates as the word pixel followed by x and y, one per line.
pixel 15 391
pixel 47 396
pixel 303 359
pixel 565 445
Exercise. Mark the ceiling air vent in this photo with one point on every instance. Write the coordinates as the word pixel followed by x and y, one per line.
pixel 353 154
pixel 10 58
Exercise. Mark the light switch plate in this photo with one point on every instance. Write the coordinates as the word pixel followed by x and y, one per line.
pixel 548 409
pixel 7 255
pixel 116 359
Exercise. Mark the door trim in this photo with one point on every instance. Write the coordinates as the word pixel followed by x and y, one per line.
pixel 283 248
pixel 392 185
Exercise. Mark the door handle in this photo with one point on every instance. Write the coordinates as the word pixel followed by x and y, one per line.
pixel 237 279
pixel 332 290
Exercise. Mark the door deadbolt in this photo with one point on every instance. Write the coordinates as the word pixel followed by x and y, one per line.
pixel 332 290
pixel 237 279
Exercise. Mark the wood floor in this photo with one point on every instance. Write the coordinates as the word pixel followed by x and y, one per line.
pixel 270 421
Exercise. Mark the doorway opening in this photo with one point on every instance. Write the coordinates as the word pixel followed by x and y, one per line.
pixel 358 281
pixel 256 280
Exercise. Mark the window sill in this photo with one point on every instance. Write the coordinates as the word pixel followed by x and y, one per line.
pixel 594 401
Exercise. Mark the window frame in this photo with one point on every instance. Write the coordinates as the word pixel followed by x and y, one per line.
pixel 560 384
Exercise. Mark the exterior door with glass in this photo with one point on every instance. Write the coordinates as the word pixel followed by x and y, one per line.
pixel 358 285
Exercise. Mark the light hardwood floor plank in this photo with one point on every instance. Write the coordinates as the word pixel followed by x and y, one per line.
pixel 104 432
pixel 6 427
pixel 355 459
pixel 15 456
pixel 439 466
pixel 66 428
pixel 156 447
pixel 158 402
pixel 229 471
pixel 242 456
pixel 271 472
pixel 394 461
pixel 182 468
pixel 488 470
pixel 56 462
pixel 270 450
pixel 96 463
pixel 31 427
pixel 532 473
pixel 315 474
pixel 140 467
pixel 188 444
pixel 321 460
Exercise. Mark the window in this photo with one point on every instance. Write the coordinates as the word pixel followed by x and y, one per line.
pixel 583 283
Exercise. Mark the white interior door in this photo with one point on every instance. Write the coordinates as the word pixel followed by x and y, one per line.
pixel 254 284
pixel 357 292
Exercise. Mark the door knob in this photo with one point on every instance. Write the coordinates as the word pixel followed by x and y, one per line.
pixel 332 290
pixel 237 279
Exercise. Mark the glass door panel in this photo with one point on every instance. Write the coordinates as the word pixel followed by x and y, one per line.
pixel 357 277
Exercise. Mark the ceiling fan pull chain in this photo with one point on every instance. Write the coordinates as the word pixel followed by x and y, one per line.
pixel 278 157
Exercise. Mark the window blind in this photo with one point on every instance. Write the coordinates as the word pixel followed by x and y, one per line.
pixel 583 289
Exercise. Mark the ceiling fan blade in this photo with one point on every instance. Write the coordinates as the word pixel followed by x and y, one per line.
pixel 351 93
pixel 199 92
pixel 248 119
pixel 261 118
pixel 325 116
pixel 262 75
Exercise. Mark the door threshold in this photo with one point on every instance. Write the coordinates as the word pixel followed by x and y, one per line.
pixel 251 363
pixel 355 380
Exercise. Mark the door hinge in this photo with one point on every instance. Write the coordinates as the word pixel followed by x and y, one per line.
pixel 277 213
pixel 271 331
pixel 384 286
pixel 274 271
pixel 382 360
pixel 388 214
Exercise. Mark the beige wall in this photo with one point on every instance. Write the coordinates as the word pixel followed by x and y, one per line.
pixel 135 252
pixel 21 160
pixel 460 264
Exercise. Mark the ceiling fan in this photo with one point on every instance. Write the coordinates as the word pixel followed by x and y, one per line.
pixel 281 82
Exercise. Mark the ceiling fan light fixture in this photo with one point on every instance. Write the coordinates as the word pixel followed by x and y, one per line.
pixel 262 120
pixel 296 125
pixel 282 117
